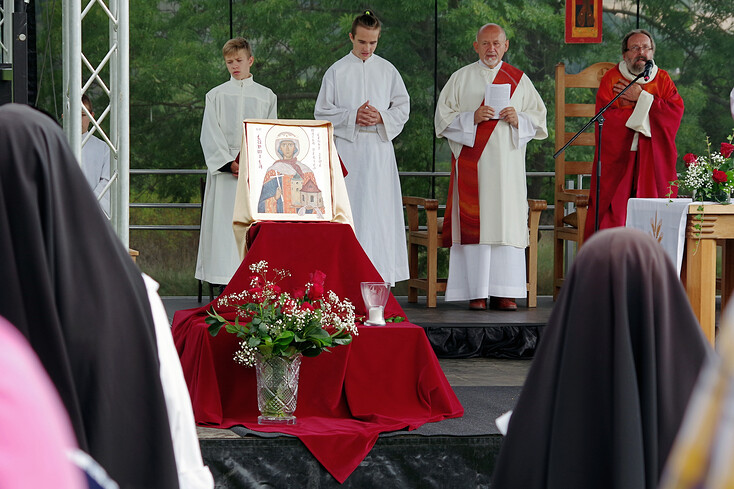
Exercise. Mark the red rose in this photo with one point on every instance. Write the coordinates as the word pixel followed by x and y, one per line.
pixel 317 290
pixel 720 176
pixel 689 158
pixel 307 306
pixel 257 294
pixel 727 149
pixel 317 277
pixel 289 307
pixel 299 293
pixel 275 289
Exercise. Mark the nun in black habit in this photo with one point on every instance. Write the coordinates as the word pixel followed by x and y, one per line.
pixel 609 384
pixel 70 287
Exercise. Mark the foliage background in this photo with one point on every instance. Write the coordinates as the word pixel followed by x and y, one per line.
pixel 176 58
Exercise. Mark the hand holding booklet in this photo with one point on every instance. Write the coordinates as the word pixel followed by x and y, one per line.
pixel 497 96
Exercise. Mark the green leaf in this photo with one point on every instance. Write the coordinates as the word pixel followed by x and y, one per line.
pixel 318 333
pixel 312 352
pixel 285 338
pixel 214 328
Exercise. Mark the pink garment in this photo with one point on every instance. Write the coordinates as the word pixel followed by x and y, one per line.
pixel 35 431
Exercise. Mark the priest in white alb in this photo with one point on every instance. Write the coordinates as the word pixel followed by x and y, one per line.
pixel 485 223
pixel 365 99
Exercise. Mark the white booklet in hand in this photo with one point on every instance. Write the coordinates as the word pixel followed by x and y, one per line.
pixel 497 96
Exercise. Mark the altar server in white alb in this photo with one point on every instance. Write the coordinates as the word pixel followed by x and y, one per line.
pixel 486 213
pixel 227 105
pixel 95 159
pixel 365 99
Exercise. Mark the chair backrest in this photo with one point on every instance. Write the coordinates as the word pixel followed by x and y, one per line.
pixel 571 202
pixel 589 78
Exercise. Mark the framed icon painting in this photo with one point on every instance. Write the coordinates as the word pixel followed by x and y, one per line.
pixel 583 21
pixel 288 170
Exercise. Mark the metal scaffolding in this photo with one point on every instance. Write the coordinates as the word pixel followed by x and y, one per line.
pixel 116 88
pixel 6 31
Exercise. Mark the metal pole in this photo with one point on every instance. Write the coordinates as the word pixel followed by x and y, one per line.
pixel 6 22
pixel 435 91
pixel 115 190
pixel 20 53
pixel 65 56
pixel 600 121
pixel 121 116
pixel 72 47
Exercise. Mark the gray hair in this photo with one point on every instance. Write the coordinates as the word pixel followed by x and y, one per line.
pixel 632 33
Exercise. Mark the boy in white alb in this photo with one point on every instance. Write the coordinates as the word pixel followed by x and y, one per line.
pixel 227 105
pixel 365 99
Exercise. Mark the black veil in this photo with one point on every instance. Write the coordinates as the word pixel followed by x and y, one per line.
pixel 70 287
pixel 611 379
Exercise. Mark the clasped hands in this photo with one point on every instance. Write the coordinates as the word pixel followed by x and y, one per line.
pixel 485 113
pixel 368 115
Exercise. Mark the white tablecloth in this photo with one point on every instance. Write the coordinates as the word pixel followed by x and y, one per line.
pixel 664 220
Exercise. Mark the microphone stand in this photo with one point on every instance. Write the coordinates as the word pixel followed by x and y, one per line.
pixel 599 117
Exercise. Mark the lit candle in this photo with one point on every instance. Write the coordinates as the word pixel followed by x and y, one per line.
pixel 376 315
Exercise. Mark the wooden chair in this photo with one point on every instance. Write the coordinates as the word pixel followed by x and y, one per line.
pixel 571 199
pixel 430 238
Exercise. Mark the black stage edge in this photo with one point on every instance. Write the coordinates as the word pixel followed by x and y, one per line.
pixel 454 331
pixel 405 462
pixel 452 453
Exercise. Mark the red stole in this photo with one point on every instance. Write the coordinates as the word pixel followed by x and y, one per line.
pixel 468 184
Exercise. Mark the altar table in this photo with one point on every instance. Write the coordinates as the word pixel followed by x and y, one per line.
pixel 387 379
pixel 700 265
pixel 698 268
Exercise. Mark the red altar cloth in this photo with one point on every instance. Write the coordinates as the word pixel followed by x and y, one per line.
pixel 387 379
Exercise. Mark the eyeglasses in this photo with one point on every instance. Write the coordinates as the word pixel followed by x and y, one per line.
pixel 637 49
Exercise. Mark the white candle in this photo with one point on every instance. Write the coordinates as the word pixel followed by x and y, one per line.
pixel 376 316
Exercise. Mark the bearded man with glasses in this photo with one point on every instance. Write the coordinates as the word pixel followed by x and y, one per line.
pixel 638 152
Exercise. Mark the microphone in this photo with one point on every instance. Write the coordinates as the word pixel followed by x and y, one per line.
pixel 648 67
